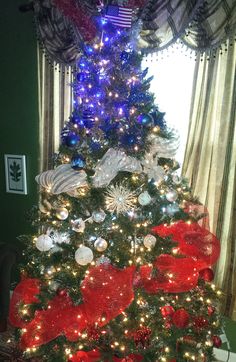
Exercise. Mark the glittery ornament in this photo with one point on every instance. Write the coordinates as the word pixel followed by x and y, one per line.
pixel 149 241
pixel 103 260
pixel 180 318
pixel 142 336
pixel 167 310
pixel 83 255
pixel 62 213
pixel 145 119
pixel 44 243
pixel 100 244
pixel 171 196
pixel 78 225
pixel 98 216
pixel 120 199
pixel 217 342
pixel 200 323
pixel 207 274
pixel 144 198
pixel 78 162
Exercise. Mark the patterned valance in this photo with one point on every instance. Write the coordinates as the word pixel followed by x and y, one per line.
pixel 201 25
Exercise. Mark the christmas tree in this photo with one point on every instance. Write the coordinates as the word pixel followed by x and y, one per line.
pixel 120 269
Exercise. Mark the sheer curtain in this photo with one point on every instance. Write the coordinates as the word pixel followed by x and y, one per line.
pixel 210 157
pixel 55 105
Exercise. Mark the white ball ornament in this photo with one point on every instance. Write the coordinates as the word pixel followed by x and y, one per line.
pixel 171 196
pixel 100 244
pixel 78 225
pixel 144 198
pixel 44 243
pixel 62 213
pixel 149 241
pixel 83 255
pixel 98 216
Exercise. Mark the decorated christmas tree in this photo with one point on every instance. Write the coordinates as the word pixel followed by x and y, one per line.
pixel 120 268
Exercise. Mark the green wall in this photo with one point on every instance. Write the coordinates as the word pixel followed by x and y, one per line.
pixel 19 114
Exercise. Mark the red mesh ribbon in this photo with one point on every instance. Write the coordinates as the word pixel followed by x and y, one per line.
pixel 193 241
pixel 171 275
pixel 50 323
pixel 25 293
pixel 106 291
pixel 81 356
pixel 78 16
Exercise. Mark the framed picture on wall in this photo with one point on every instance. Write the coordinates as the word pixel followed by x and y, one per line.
pixel 15 172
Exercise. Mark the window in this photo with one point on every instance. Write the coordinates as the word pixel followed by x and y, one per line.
pixel 172 85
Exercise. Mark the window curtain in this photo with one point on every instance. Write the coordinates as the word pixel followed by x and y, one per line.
pixel 210 157
pixel 55 105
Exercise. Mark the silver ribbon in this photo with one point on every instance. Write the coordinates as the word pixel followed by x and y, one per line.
pixel 63 179
pixel 111 163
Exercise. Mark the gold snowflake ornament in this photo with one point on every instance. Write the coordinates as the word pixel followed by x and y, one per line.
pixel 120 199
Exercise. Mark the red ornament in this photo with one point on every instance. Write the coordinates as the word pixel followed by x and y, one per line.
pixel 142 336
pixel 210 309
pixel 217 342
pixel 62 292
pixel 207 274
pixel 180 318
pixel 167 311
pixel 200 323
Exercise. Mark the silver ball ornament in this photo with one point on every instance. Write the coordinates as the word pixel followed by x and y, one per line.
pixel 83 255
pixel 176 179
pixel 144 198
pixel 98 216
pixel 78 225
pixel 172 209
pixel 171 196
pixel 62 213
pixel 44 243
pixel 100 244
pixel 149 241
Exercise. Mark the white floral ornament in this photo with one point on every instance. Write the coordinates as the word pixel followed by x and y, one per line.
pixel 120 199
pixel 63 179
pixel 58 237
